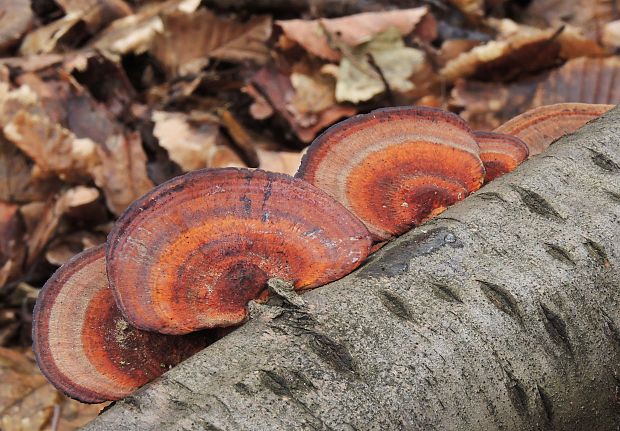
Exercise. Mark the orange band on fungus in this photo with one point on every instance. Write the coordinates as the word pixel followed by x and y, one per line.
pixel 500 153
pixel 539 127
pixel 191 253
pixel 86 348
pixel 395 168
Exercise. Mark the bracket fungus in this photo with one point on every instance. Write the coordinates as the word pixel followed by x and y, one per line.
pixel 539 127
pixel 195 250
pixel 85 347
pixel 500 153
pixel 395 168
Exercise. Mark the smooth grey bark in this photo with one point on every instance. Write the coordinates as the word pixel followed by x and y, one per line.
pixel 502 313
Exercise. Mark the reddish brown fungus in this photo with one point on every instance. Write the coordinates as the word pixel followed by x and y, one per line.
pixel 539 127
pixel 83 344
pixel 191 253
pixel 395 168
pixel 500 153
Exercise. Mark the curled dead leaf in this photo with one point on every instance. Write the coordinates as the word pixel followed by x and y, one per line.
pixel 367 69
pixel 285 162
pixel 523 50
pixel 321 37
pixel 188 145
pixel 28 402
pixel 583 80
pixel 187 40
pixel 16 18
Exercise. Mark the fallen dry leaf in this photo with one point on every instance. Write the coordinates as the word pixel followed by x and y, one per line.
pixel 586 80
pixel 16 18
pixel 524 50
pixel 188 40
pixel 364 68
pixel 277 88
pixel 10 227
pixel 321 37
pixel 12 249
pixel 188 145
pixel 588 15
pixel 135 33
pixel 285 162
pixel 222 156
pixel 16 181
pixel 29 403
pixel 122 173
pixel 96 13
pixel 53 148
pixel 474 9
pixel 260 108
pixel 47 39
pixel 60 250
pixel 611 34
pixel 313 93
pixel 96 146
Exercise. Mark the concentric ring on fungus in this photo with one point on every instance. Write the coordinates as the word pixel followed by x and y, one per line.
pixel 500 153
pixel 191 253
pixel 539 127
pixel 85 347
pixel 395 168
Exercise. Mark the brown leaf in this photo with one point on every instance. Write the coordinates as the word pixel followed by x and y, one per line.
pixel 611 34
pixel 474 9
pixel 105 79
pixel 222 156
pixel 53 148
pixel 29 403
pixel 16 181
pixel 122 174
pixel 319 37
pixel 523 50
pixel 16 18
pixel 285 162
pixel 95 146
pixel 47 39
pixel 314 93
pixel 260 108
pixel 10 227
pixel 188 40
pixel 188 145
pixel 96 13
pixel 588 15
pixel 12 250
pixel 62 249
pixel 585 80
pixel 279 91
pixel 135 33
pixel 383 64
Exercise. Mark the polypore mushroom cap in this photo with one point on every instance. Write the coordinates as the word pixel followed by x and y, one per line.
pixel 395 168
pixel 192 252
pixel 85 347
pixel 500 153
pixel 539 127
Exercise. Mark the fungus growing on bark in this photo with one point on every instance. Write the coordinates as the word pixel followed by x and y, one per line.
pixel 85 347
pixel 191 253
pixel 539 127
pixel 395 168
pixel 500 153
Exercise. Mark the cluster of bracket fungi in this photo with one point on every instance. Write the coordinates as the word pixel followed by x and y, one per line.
pixel 190 254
